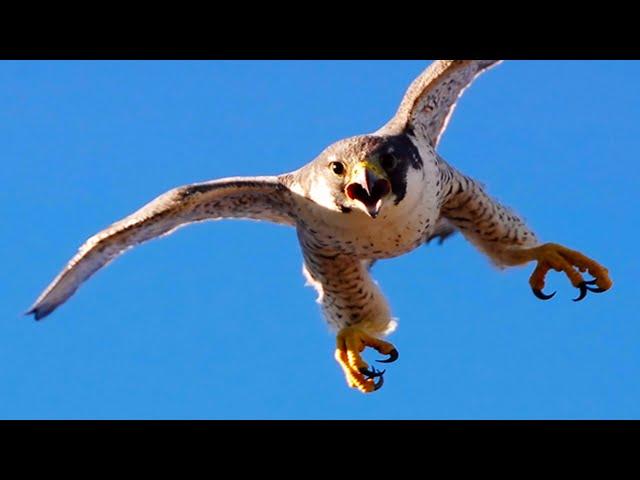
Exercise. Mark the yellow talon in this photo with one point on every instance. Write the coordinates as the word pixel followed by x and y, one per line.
pixel 572 263
pixel 350 341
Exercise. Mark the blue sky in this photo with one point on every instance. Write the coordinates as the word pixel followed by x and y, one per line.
pixel 214 322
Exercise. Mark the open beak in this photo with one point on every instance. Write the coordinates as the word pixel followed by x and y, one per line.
pixel 368 185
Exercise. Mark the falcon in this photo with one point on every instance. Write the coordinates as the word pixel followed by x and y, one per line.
pixel 363 199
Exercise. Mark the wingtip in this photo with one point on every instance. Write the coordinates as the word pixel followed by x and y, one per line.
pixel 34 312
pixel 484 65
pixel 38 312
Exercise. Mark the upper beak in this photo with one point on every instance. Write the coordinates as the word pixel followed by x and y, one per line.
pixel 369 185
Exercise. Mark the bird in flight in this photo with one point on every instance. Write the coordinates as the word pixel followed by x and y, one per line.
pixel 363 199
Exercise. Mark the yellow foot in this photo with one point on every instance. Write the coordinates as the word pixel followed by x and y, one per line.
pixel 561 259
pixel 349 343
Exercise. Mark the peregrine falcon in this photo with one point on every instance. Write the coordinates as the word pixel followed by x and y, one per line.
pixel 363 199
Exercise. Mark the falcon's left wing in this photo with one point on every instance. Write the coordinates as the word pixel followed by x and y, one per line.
pixel 258 198
pixel 431 98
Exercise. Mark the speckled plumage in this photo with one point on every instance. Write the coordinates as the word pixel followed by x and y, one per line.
pixel 363 199
pixel 338 241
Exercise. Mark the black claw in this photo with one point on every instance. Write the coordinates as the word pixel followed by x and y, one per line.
pixel 393 356
pixel 541 295
pixel 583 292
pixel 587 287
pixel 594 289
pixel 373 373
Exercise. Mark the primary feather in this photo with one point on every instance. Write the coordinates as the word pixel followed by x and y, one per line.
pixel 258 198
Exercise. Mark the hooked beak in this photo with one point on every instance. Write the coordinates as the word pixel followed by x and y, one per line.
pixel 369 185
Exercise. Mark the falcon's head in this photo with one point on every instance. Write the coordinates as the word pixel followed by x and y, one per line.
pixel 363 173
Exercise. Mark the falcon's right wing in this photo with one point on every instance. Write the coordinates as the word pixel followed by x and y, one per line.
pixel 258 198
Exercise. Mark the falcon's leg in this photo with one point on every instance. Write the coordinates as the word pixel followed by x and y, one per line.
pixel 355 308
pixel 504 237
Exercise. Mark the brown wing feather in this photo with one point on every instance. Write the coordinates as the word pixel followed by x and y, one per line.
pixel 431 98
pixel 258 198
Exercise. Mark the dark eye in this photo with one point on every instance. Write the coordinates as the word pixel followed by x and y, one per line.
pixel 388 161
pixel 337 168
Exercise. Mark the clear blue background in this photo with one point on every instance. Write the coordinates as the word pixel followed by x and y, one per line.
pixel 215 321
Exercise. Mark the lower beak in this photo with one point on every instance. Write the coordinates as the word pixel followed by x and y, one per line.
pixel 373 210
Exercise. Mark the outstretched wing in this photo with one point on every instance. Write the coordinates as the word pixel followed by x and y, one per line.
pixel 431 98
pixel 258 198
